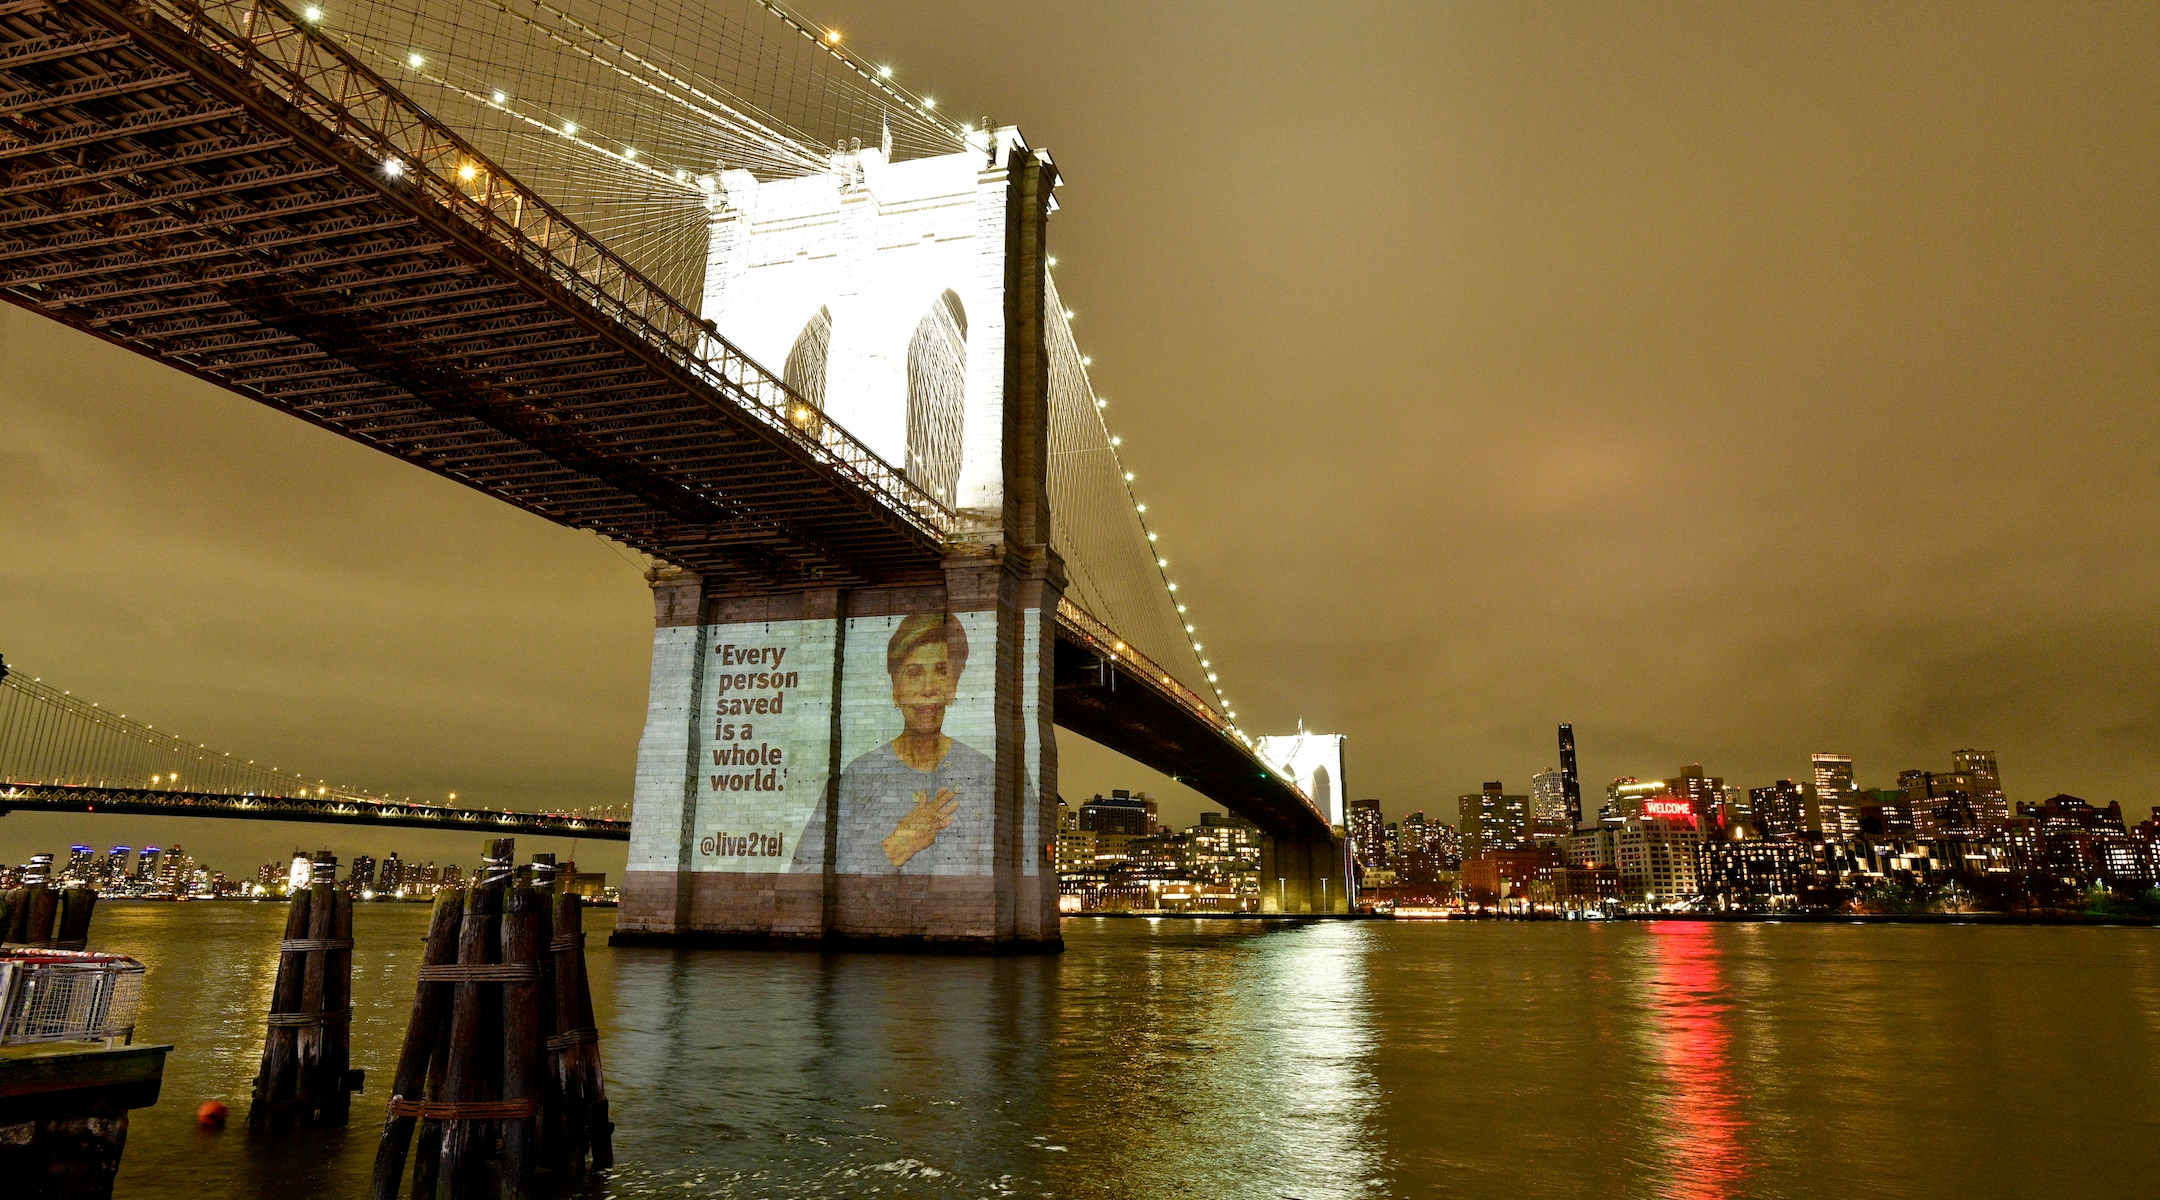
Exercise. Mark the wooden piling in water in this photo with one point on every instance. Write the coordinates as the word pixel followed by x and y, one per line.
pixel 322 918
pixel 565 1053
pixel 475 1018
pixel 271 1109
pixel 423 1035
pixel 44 907
pixel 489 1030
pixel 524 941
pixel 40 914
pixel 306 1076
pixel 76 905
pixel 339 1081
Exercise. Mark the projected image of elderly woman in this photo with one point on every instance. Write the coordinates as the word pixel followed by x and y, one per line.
pixel 919 804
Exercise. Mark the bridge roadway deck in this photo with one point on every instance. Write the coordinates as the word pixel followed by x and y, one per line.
pixel 264 212
pixel 333 810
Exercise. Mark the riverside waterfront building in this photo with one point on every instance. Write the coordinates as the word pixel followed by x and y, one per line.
pixel 1493 820
pixel 1744 872
pixel 1129 813
pixel 1835 813
pixel 1780 810
pixel 1549 805
pixel 1656 858
pixel 1988 802
pixel 1626 796
pixel 1597 846
pixel 1705 794
pixel 1368 835
pixel 1210 867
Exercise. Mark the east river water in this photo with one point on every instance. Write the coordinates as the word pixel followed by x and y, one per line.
pixel 1218 1059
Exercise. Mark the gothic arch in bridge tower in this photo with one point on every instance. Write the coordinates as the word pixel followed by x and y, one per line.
pixel 937 396
pixel 907 261
pixel 805 369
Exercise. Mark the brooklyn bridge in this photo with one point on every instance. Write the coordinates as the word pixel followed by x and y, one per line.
pixel 701 281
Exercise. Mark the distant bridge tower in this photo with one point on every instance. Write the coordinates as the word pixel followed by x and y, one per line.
pixel 871 757
pixel 1308 875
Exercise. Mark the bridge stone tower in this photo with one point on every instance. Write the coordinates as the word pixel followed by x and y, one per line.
pixel 870 760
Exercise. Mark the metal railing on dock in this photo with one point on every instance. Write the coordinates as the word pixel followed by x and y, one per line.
pixel 68 996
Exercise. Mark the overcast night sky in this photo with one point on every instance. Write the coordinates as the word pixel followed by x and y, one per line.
pixel 1733 381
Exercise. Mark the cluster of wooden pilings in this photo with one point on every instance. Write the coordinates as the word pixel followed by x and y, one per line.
pixel 306 1077
pixel 50 918
pixel 501 1066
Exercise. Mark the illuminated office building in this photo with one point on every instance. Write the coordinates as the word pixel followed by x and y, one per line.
pixel 1493 820
pixel 1549 805
pixel 1705 794
pixel 1368 835
pixel 1835 811
pixel 1780 810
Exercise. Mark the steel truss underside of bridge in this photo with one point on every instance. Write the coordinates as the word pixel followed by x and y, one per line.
pixel 154 195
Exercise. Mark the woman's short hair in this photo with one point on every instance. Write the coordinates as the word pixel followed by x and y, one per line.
pixel 922 628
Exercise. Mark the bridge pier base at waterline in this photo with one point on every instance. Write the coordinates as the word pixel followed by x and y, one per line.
pixel 867 768
pixel 1303 875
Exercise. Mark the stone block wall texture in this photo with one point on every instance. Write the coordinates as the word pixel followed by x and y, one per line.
pixel 751 725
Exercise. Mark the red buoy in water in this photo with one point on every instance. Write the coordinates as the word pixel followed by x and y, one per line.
pixel 211 1115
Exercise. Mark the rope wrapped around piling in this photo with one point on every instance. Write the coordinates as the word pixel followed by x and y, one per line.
pixel 513 972
pixel 575 1037
pixel 465 1110
pixel 305 1020
pixel 303 945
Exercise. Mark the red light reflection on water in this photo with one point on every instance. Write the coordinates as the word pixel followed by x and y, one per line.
pixel 1694 1046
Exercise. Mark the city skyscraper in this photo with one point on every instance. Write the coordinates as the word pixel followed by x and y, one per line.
pixel 1493 820
pixel 1834 808
pixel 1780 810
pixel 1988 801
pixel 1705 794
pixel 1549 812
pixel 1367 834
pixel 1570 777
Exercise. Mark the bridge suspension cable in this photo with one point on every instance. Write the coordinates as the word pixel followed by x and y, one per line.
pixel 615 110
pixel 1113 564
pixel 52 737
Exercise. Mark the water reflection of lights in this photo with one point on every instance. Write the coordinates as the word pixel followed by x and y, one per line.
pixel 1705 1121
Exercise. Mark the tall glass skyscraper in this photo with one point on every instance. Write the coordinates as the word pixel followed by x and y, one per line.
pixel 1569 776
